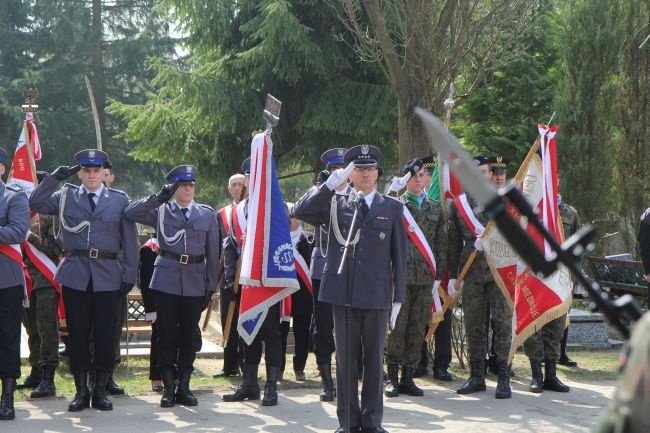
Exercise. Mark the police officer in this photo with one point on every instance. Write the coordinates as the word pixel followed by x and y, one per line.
pixel 269 333
pixel 184 276
pixel 94 233
pixel 323 322
pixel 479 290
pixel 404 342
pixel 233 352
pixel 41 318
pixel 14 223
pixel 371 282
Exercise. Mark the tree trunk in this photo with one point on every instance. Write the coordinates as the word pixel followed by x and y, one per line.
pixel 97 64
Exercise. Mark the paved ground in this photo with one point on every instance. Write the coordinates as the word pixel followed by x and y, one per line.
pixel 300 411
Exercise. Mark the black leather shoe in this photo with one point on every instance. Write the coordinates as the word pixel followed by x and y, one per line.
pixel 567 362
pixel 226 373
pixel 30 382
pixel 352 430
pixel 113 388
pixel 442 374
pixel 81 398
pixel 183 394
pixel 98 399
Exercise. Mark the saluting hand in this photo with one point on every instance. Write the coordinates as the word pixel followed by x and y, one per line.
pixel 399 183
pixel 338 176
pixel 167 192
pixel 63 172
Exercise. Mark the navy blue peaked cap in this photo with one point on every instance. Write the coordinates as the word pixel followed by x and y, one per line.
pixel 246 166
pixel 182 173
pixel 91 158
pixel 334 156
pixel 363 154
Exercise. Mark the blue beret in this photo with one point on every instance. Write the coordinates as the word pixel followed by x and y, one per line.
pixel 183 173
pixel 246 166
pixel 333 156
pixel 363 154
pixel 3 154
pixel 91 158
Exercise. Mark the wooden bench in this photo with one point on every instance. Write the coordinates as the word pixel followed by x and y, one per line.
pixel 619 276
pixel 135 316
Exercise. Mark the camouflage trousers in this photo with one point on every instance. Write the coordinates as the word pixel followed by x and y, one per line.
pixel 476 296
pixel 42 325
pixel 405 341
pixel 545 343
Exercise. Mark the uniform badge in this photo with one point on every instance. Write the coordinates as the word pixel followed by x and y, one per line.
pixel 382 236
pixel 91 153
pixel 365 149
pixel 340 152
pixel 188 169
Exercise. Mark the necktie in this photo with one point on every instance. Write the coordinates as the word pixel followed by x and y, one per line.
pixel 91 197
pixel 184 210
pixel 364 208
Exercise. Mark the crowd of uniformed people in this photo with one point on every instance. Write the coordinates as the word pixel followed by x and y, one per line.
pixel 368 306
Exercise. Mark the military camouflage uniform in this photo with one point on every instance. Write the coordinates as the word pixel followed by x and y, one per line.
pixel 404 342
pixel 545 343
pixel 628 411
pixel 41 318
pixel 479 289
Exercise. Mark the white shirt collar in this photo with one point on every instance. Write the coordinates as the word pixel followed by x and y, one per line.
pixel 98 193
pixel 175 205
pixel 368 197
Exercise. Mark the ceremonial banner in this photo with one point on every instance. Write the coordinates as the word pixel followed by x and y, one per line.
pixel 21 168
pixel 268 272
pixel 443 183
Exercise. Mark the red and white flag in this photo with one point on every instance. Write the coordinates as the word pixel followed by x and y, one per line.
pixel 21 171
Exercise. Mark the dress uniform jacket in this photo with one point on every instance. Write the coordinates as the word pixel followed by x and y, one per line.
pixel 200 239
pixel 14 223
pixel 109 232
pixel 381 248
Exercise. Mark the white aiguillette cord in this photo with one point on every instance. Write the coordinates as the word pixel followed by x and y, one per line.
pixel 170 240
pixel 64 225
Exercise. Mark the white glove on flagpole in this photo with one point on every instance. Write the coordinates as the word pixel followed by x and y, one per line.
pixel 394 312
pixel 399 183
pixel 478 244
pixel 451 287
pixel 434 290
pixel 339 176
pixel 150 317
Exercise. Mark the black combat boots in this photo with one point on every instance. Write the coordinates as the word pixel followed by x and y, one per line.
pixel 7 411
pixel 250 387
pixel 476 381
pixel 328 393
pixel 503 381
pixel 113 388
pixel 168 398
pixel 537 380
pixel 271 387
pixel 551 382
pixel 31 381
pixel 46 388
pixel 406 384
pixel 183 394
pixel 99 400
pixel 81 398
pixel 392 382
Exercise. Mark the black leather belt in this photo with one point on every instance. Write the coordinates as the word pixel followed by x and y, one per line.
pixel 183 259
pixel 92 253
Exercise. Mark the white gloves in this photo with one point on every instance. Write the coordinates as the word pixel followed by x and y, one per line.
pixel 478 244
pixel 399 183
pixel 394 312
pixel 150 317
pixel 434 290
pixel 339 176
pixel 451 287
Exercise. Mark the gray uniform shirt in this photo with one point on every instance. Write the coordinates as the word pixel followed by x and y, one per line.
pixel 109 232
pixel 201 238
pixel 14 223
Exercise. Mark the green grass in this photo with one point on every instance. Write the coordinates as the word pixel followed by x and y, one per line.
pixel 593 366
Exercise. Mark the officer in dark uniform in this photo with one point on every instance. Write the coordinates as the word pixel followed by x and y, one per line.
pixel 371 282
pixel 41 318
pixel 94 233
pixel 184 276
pixel 269 333
pixel 644 245
pixel 14 223
pixel 233 352
pixel 323 323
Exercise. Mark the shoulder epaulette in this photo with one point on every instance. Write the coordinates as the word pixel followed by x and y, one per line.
pixel 207 207
pixel 119 191
pixel 71 185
